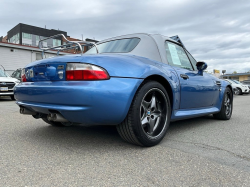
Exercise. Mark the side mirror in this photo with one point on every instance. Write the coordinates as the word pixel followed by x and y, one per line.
pixel 201 66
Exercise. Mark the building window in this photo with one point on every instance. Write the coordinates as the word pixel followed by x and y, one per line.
pixel 26 35
pixel 46 55
pixel 39 56
pixel 26 39
pixel 38 38
pixel 56 42
pixel 44 44
pixel 14 39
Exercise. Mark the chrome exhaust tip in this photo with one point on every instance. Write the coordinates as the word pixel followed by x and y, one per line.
pixel 56 117
pixel 26 111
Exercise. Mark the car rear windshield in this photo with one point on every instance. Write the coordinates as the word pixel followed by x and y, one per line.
pixel 116 46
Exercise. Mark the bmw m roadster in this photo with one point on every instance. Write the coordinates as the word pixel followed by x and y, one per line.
pixel 138 82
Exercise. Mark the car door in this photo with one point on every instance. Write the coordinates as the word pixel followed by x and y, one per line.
pixel 196 90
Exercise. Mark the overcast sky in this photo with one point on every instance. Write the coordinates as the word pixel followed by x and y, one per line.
pixel 214 31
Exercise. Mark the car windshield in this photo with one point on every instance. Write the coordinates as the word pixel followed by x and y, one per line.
pixel 2 73
pixel 16 74
pixel 115 46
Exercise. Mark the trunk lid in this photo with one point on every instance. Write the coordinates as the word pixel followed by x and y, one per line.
pixel 52 69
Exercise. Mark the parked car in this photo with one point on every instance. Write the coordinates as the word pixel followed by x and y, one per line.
pixel 7 84
pixel 138 82
pixel 236 91
pixel 17 74
pixel 245 87
pixel 246 83
pixel 240 88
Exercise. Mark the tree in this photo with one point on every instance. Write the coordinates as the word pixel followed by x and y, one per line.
pixel 235 72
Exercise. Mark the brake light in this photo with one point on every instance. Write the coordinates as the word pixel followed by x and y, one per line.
pixel 78 71
pixel 23 76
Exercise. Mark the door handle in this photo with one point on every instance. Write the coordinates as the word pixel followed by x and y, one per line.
pixel 184 76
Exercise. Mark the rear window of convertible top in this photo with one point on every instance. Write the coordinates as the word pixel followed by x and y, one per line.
pixel 115 46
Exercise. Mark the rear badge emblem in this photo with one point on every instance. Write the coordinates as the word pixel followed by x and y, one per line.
pixel 60 74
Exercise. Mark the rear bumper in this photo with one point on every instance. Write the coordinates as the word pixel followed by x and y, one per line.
pixel 89 102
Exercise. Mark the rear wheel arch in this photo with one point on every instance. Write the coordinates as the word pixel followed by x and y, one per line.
pixel 139 127
pixel 164 83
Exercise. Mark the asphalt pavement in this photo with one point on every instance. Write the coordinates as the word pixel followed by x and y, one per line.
pixel 195 152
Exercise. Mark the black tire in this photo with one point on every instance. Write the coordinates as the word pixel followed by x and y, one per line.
pixel 55 124
pixel 149 116
pixel 240 91
pixel 227 106
pixel 12 97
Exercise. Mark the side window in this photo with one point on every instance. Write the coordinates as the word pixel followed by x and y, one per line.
pixel 176 56
pixel 193 61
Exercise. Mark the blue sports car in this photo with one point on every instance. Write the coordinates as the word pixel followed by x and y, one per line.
pixel 138 82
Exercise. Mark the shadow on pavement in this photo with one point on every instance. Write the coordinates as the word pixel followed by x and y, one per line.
pixel 192 123
pixel 96 137
pixel 5 98
pixel 76 137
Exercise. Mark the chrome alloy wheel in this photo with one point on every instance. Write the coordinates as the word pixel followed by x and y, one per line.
pixel 153 112
pixel 228 104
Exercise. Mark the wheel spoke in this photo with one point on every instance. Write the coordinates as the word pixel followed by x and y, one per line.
pixel 151 125
pixel 145 105
pixel 156 123
pixel 153 102
pixel 144 121
pixel 156 114
pixel 225 100
pixel 227 103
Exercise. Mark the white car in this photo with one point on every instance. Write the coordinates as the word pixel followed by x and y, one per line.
pixel 238 87
pixel 7 84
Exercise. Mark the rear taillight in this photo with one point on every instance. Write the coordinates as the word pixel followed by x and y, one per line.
pixel 23 76
pixel 78 71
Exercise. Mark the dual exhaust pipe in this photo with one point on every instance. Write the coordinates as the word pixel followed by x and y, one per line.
pixel 51 116
pixel 56 117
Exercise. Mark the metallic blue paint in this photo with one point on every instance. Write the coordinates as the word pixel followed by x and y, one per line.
pixel 91 102
pixel 108 101
pixel 196 88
